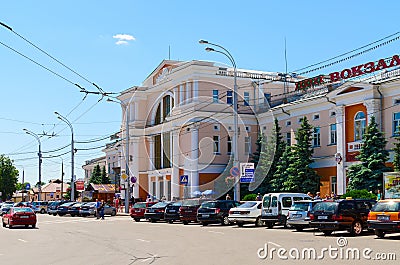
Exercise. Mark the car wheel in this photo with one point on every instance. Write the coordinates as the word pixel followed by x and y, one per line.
pixel 170 221
pixel 26 226
pixel 259 222
pixel 204 224
pixel 185 222
pixel 34 225
pixel 73 215
pixel 270 224
pixel 240 224
pixel 225 220
pixel 42 211
pixel 327 232
pixel 380 233
pixel 137 219
pixel 113 213
pixel 356 228
pixel 299 228
pixel 9 225
pixel 152 220
pixel 54 214
pixel 4 224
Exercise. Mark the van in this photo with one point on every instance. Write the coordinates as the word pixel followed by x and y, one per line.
pixel 275 207
pixel 41 206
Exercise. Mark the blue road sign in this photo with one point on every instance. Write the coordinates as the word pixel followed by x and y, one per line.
pixel 28 186
pixel 184 179
pixel 248 176
pixel 235 172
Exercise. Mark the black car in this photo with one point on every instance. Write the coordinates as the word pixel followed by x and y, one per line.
pixel 53 206
pixel 172 212
pixel 156 212
pixel 215 211
pixel 63 208
pixel 74 209
pixel 351 215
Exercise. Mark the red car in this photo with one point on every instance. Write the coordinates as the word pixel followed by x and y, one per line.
pixel 188 210
pixel 19 216
pixel 138 210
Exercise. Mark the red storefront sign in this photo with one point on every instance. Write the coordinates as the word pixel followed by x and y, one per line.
pixel 79 185
pixel 355 71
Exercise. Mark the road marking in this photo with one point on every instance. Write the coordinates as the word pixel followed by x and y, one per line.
pixel 215 232
pixel 22 240
pixel 147 241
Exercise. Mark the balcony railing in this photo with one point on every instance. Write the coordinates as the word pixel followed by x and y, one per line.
pixel 354 146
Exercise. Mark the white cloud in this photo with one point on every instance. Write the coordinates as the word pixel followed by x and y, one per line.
pixel 123 39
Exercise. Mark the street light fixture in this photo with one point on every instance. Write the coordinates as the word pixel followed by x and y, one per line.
pixel 127 185
pixel 62 118
pixel 225 52
pixel 40 161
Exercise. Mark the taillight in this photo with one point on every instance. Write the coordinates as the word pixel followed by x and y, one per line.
pixel 311 216
pixel 337 217
pixel 180 209
pixel 230 212
pixel 398 216
pixel 217 210
pixel 159 210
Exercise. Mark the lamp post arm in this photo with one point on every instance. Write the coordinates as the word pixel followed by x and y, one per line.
pixel 227 54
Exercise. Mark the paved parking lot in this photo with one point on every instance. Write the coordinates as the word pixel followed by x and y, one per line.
pixel 120 240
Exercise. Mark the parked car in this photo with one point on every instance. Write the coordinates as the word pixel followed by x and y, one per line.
pixel 276 206
pixel 349 214
pixel 171 213
pixel 53 206
pixel 248 212
pixel 89 208
pixel 6 206
pixel 156 212
pixel 138 210
pixel 188 210
pixel 110 210
pixel 19 216
pixel 63 208
pixel 299 214
pixel 384 217
pixel 74 209
pixel 215 211
pixel 42 205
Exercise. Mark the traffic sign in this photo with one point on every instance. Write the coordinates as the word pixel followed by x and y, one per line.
pixel 133 179
pixel 28 186
pixel 235 171
pixel 246 172
pixel 124 176
pixel 184 179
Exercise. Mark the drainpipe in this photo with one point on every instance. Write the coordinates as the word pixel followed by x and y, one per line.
pixel 381 107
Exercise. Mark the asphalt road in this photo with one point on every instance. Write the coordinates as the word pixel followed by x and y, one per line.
pixel 120 240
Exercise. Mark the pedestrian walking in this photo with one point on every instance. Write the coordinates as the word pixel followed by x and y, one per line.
pixel 259 197
pixel 98 204
pixel 102 205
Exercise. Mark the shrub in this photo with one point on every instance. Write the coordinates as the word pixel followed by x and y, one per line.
pixel 359 194
pixel 250 197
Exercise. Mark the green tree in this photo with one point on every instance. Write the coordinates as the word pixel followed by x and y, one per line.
pixel 373 155
pixel 8 177
pixel 96 175
pixel 396 150
pixel 104 178
pixel 301 177
pixel 281 173
pixel 21 186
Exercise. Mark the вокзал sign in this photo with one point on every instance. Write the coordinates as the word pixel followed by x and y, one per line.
pixel 355 71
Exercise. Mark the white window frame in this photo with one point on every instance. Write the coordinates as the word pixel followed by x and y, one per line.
pixel 217 147
pixel 363 125
pixel 289 138
pixel 215 96
pixel 316 117
pixel 246 98
pixel 333 184
pixel 317 137
pixel 332 134
pixel 229 97
pixel 395 123
pixel 247 144
pixel 288 123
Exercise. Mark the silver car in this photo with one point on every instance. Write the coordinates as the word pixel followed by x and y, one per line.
pixel 299 214
pixel 89 208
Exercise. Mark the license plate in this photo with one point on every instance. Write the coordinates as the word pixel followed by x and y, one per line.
pixel 236 212
pixel 322 217
pixel 188 211
pixel 383 218
pixel 151 211
pixel 172 211
pixel 296 215
pixel 137 211
pixel 24 216
pixel 205 215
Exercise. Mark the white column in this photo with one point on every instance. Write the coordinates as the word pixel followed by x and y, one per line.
pixel 195 90
pixel 134 170
pixel 175 91
pixel 181 94
pixel 340 149
pixel 188 96
pixel 373 109
pixel 136 111
pixel 194 173
pixel 151 152
pixel 175 164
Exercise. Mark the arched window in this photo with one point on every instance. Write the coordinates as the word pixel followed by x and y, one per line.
pixel 359 125
pixel 163 109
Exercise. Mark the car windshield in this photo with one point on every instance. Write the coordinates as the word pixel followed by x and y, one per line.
pixel 299 206
pixel 23 210
pixel 160 204
pixel 90 204
pixel 386 207
pixel 190 203
pixel 266 201
pixel 177 204
pixel 139 205
pixel 67 204
pixel 247 205
pixel 325 207
pixel 209 205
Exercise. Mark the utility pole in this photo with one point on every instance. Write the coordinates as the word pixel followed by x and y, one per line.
pixel 40 161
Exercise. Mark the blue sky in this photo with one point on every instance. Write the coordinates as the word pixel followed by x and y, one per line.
pixel 82 35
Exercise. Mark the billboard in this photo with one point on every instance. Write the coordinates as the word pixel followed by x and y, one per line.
pixel 392 185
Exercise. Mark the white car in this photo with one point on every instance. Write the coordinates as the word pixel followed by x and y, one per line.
pixel 248 212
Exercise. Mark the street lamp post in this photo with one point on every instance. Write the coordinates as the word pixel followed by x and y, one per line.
pixel 59 116
pixel 40 161
pixel 225 52
pixel 127 185
pixel 62 177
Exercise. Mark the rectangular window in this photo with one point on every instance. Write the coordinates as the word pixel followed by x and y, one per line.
pixel 215 96
pixel 153 192
pixel 247 145
pixel 216 144
pixel 246 96
pixel 289 138
pixel 157 151
pixel 332 134
pixel 396 123
pixel 229 97
pixel 317 137
pixel 288 123
pixel 316 117
pixel 267 98
pixel 229 145
pixel 161 189
pixel 334 185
